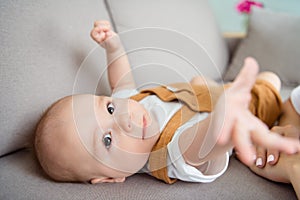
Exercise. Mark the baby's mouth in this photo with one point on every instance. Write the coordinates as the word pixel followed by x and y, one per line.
pixel 144 127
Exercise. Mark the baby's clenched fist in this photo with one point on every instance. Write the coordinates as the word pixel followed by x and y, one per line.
pixel 105 36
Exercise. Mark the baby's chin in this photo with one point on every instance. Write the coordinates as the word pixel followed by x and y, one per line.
pixel 135 167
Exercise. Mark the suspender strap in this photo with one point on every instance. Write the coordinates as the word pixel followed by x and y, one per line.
pixel 158 157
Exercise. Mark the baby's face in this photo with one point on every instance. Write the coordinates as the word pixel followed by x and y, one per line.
pixel 118 133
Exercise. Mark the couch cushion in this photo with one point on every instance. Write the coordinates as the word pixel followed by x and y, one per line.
pixel 43 45
pixel 273 39
pixel 179 39
pixel 22 178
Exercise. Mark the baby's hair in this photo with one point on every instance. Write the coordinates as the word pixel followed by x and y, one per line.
pixel 48 123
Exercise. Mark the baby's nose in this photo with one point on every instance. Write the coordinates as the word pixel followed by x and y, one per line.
pixel 124 122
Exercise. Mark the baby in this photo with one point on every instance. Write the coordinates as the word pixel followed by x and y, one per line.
pixel 97 139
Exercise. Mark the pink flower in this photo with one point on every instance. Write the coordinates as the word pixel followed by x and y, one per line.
pixel 245 6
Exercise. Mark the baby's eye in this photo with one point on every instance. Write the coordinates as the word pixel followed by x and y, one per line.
pixel 107 140
pixel 110 108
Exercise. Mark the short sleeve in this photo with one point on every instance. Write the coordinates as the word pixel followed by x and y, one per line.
pixel 295 99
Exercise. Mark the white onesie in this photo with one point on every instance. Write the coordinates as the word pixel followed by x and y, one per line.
pixel 177 167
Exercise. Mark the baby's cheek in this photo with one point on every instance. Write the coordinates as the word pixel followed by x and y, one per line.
pixel 133 143
pixel 135 106
pixel 126 160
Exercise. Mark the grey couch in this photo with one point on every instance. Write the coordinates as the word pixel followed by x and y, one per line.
pixel 46 53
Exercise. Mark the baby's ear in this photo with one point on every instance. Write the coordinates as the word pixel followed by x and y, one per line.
pixel 107 180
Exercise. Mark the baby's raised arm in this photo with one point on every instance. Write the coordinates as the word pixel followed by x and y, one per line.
pixel 241 127
pixel 119 70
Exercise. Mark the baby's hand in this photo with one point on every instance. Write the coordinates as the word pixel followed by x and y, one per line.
pixel 271 156
pixel 103 35
pixel 237 125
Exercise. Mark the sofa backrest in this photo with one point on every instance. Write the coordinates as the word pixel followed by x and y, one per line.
pixel 43 46
pixel 178 38
pixel 46 52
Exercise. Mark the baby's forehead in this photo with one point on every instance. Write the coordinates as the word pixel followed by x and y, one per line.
pixel 86 99
pixel 60 105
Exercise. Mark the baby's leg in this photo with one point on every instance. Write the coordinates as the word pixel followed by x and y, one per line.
pixel 200 80
pixel 271 78
pixel 267 76
pixel 274 80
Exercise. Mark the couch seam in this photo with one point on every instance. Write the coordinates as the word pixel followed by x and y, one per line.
pixel 110 15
